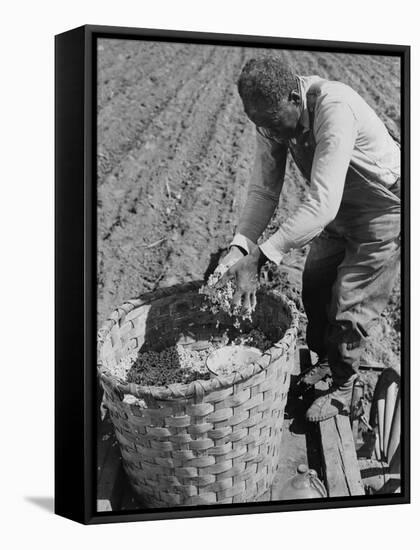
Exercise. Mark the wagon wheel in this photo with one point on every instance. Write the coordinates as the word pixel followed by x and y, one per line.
pixel 385 419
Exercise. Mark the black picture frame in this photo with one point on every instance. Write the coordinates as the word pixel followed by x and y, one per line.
pixel 75 270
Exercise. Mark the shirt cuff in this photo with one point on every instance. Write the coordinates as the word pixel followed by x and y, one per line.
pixel 271 252
pixel 242 241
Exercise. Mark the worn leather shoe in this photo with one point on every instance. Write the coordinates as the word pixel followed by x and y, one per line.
pixel 337 400
pixel 314 374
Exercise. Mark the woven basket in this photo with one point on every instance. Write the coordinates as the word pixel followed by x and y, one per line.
pixel 211 441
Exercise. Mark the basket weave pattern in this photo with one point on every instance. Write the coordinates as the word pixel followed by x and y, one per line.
pixel 208 442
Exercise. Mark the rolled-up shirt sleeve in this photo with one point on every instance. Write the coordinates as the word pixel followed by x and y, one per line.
pixel 263 191
pixel 335 133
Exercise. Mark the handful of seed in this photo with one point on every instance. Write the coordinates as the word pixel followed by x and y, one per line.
pixel 219 299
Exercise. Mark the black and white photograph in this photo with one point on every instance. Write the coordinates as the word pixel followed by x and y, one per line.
pixel 209 275
pixel 249 213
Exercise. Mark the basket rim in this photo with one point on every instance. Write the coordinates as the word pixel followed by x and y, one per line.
pixel 197 388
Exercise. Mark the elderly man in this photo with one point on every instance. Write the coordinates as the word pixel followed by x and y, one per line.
pixel 350 213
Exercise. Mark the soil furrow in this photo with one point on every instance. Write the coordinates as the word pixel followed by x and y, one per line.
pixel 121 127
pixel 122 182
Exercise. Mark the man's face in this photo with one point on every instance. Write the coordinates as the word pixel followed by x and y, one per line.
pixel 283 125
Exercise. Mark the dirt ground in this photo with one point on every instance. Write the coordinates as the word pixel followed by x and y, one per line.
pixel 174 153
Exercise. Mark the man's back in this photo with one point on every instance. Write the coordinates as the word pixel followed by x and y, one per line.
pixel 375 153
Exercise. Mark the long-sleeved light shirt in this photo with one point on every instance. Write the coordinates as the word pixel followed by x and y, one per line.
pixel 339 130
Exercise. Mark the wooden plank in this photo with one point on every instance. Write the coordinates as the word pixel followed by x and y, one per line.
pixel 341 468
pixel 349 456
pixel 334 469
pixel 342 474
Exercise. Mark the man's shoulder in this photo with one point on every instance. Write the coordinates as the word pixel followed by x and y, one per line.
pixel 334 103
pixel 331 89
pixel 321 92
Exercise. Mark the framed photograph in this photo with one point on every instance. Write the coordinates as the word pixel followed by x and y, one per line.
pixel 232 274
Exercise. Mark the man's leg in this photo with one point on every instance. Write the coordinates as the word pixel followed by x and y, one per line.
pixel 320 272
pixel 360 293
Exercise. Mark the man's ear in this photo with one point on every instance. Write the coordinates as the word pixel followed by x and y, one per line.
pixel 295 97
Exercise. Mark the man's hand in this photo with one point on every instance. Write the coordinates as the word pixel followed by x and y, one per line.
pixel 245 272
pixel 235 254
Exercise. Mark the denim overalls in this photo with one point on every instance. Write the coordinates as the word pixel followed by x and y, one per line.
pixel 351 266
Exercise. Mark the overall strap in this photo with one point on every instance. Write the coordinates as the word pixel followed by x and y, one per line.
pixel 311 98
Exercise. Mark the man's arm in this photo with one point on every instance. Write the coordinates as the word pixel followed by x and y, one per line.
pixel 263 192
pixel 335 136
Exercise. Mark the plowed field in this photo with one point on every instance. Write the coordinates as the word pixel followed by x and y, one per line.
pixel 174 153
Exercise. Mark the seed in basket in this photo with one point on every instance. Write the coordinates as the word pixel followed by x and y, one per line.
pixel 180 364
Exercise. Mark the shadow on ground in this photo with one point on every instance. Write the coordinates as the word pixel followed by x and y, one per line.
pixel 46 503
